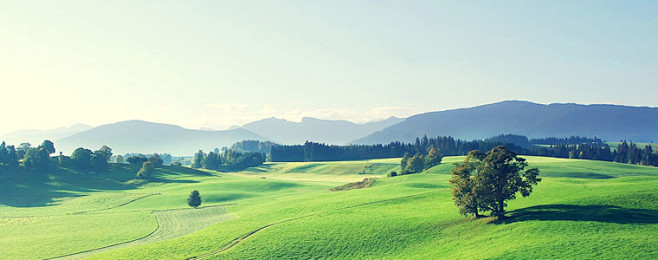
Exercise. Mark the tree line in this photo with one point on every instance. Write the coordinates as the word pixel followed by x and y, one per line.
pixel 591 148
pixel 420 161
pixel 26 156
pixel 230 160
pixel 39 158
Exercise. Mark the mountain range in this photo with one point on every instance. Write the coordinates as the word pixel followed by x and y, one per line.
pixel 317 130
pixel 137 136
pixel 34 136
pixel 608 122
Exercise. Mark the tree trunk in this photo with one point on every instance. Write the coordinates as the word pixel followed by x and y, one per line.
pixel 477 214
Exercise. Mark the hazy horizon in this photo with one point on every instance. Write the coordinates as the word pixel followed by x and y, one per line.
pixel 210 64
pixel 294 120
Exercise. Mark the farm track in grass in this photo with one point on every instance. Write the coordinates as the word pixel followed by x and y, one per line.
pixel 239 239
pixel 171 224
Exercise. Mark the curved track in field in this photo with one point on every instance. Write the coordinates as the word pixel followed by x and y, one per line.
pixel 116 206
pixel 171 224
pixel 239 239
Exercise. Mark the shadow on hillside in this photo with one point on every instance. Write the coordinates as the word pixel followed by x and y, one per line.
pixel 261 168
pixel 598 213
pixel 173 170
pixel 23 188
pixel 159 180
pixel 582 175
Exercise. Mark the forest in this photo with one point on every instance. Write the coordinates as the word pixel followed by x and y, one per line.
pixel 572 147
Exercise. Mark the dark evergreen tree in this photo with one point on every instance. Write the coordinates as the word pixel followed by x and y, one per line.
pixel 194 200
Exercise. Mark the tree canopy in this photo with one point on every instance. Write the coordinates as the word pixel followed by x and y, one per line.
pixel 194 200
pixel 484 182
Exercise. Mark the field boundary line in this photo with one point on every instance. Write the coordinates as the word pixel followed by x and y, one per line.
pixel 73 255
pixel 241 238
pixel 116 206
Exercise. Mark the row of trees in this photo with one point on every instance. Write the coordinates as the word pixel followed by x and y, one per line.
pixel 229 160
pixel 484 182
pixel 166 158
pixel 253 146
pixel 38 158
pixel 311 151
pixel 85 159
pixel 420 161
pixel 631 153
pixel 33 158
pixel 566 140
pixel 592 148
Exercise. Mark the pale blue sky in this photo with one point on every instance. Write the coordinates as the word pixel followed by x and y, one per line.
pixel 221 63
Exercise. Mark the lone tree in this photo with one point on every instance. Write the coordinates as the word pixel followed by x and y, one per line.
pixel 486 182
pixel 194 200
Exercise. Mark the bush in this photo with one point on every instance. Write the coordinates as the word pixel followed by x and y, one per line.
pixel 146 172
pixel 392 174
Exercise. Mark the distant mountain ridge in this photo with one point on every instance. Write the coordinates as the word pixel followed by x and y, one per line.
pixel 608 122
pixel 35 137
pixel 282 131
pixel 147 137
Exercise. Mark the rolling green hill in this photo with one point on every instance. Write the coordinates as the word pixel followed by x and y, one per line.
pixel 581 209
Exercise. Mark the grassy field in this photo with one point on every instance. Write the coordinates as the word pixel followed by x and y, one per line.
pixel 581 209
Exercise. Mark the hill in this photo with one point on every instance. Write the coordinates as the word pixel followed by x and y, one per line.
pixel 608 122
pixel 581 210
pixel 35 137
pixel 317 130
pixel 146 137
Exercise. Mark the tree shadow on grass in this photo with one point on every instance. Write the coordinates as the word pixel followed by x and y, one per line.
pixel 598 213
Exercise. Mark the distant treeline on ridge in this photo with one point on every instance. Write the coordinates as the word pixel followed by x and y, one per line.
pixel 573 147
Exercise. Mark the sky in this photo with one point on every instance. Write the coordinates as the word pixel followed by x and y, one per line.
pixel 216 64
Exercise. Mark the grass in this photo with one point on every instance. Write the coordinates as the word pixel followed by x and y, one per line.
pixel 581 209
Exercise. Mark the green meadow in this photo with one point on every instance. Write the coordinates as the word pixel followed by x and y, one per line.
pixel 581 210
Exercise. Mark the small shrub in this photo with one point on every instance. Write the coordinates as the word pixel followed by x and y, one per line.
pixel 392 174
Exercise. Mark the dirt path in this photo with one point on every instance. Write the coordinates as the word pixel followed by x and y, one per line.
pixel 171 224
pixel 239 239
